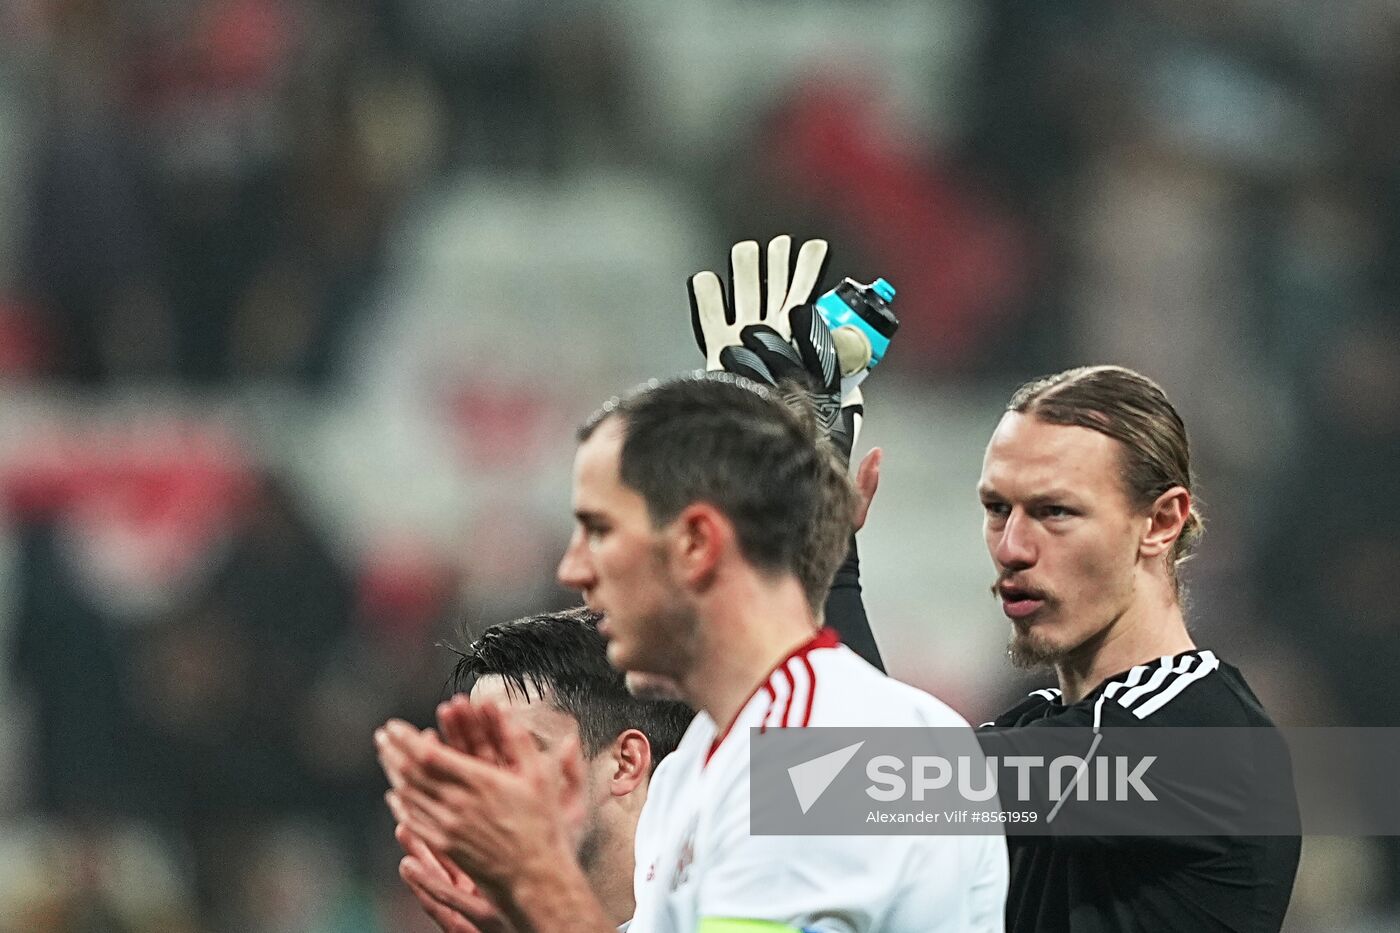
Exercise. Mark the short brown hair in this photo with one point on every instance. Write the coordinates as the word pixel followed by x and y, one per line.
pixel 1133 410
pixel 724 440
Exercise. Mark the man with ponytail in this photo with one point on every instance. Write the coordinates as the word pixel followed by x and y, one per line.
pixel 1089 512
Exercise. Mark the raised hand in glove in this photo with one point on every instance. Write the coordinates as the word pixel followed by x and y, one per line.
pixel 766 355
pixel 758 294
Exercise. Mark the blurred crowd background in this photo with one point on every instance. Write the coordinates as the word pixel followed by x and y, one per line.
pixel 301 301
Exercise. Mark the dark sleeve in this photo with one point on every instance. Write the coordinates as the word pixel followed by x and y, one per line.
pixel 845 610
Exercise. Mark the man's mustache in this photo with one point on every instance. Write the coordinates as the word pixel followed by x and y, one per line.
pixel 1007 585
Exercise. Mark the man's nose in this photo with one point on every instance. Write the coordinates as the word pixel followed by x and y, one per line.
pixel 575 569
pixel 1016 548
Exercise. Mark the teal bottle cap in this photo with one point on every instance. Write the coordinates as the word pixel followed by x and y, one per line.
pixel 884 289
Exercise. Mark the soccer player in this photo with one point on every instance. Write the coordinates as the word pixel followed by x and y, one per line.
pixel 692 498
pixel 448 895
pixel 552 671
pixel 1089 513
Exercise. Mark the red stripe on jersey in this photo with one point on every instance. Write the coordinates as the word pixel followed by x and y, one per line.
pixel 763 723
pixel 792 692
pixel 811 691
pixel 826 638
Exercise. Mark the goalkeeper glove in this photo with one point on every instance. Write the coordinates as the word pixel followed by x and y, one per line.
pixel 717 322
pixel 755 344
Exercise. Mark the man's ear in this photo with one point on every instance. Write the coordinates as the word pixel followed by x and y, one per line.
pixel 701 536
pixel 1166 519
pixel 631 755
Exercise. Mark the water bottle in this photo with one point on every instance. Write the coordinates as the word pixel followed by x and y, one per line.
pixel 862 323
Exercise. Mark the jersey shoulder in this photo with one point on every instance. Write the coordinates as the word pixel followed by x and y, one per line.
pixel 1193 688
pixel 851 692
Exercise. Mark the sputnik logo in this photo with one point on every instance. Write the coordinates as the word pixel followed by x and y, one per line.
pixel 811 778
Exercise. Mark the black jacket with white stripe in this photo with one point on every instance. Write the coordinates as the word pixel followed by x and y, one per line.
pixel 1081 884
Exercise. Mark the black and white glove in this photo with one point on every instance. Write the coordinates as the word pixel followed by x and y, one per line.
pixel 717 322
pixel 786 339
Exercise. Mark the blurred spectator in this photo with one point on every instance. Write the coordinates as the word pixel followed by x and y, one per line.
pixel 110 877
pixel 92 249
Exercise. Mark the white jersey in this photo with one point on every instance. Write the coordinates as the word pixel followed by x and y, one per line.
pixel 699 868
